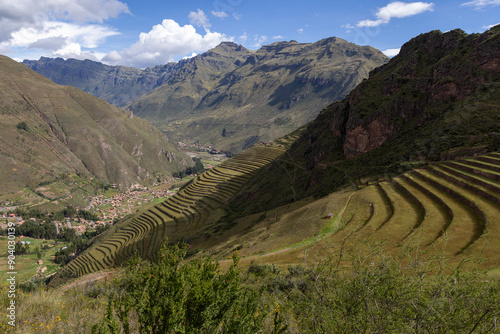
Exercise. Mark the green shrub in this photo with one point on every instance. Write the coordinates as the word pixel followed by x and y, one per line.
pixel 197 297
pixel 22 126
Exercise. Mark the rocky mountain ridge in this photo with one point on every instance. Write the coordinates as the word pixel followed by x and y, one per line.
pixel 262 95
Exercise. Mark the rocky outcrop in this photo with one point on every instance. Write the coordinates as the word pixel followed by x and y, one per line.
pixel 432 74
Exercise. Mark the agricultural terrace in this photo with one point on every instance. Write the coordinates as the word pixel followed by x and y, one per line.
pixel 195 204
pixel 452 206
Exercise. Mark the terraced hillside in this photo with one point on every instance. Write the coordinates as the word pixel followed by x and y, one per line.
pixel 456 202
pixel 195 205
pixel 451 206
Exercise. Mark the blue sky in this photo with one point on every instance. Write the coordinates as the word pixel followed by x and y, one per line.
pixel 144 33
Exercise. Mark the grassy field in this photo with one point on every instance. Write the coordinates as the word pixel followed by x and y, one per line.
pixel 27 265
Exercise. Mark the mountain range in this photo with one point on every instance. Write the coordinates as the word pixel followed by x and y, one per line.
pixel 229 96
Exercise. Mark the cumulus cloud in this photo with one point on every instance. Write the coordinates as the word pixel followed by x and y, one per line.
pixel 396 10
pixel 163 43
pixel 278 37
pixel 199 19
pixel 57 27
pixel 481 4
pixel 300 31
pixel 60 39
pixel 391 52
pixel 243 38
pixel 15 15
pixel 219 14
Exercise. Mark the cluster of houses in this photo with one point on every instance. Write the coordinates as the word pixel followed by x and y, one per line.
pixel 79 225
pixel 200 148
pixel 124 203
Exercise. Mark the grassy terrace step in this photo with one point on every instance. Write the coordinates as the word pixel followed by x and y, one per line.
pixel 472 179
pixel 190 206
pixel 438 215
pixel 481 163
pixel 418 207
pixel 388 204
pixel 479 219
pixel 465 165
pixel 490 160
pixel 465 185
pixel 403 216
pixel 476 177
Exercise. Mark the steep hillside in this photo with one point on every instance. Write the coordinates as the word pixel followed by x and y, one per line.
pixel 118 85
pixel 48 131
pixel 234 97
pixel 438 99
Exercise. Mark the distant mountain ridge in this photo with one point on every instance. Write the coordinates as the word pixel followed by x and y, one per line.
pixel 49 130
pixel 229 96
pixel 118 85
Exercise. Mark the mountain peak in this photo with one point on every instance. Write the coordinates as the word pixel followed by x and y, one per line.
pixel 230 47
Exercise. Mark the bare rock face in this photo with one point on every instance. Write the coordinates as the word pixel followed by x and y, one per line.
pixel 362 139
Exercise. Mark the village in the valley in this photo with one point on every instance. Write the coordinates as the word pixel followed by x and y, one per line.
pixel 113 207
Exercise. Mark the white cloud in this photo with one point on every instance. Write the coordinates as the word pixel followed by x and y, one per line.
pixel 59 39
pixel 480 4
pixel 396 10
pixel 56 27
pixel 490 26
pixel 347 26
pixel 278 37
pixel 15 15
pixel 258 40
pixel 391 52
pixel 164 43
pixel 236 16
pixel 194 54
pixel 219 14
pixel 199 19
pixel 53 35
pixel 243 38
pixel 300 31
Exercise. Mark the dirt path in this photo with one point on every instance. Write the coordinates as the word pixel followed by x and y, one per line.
pixel 82 281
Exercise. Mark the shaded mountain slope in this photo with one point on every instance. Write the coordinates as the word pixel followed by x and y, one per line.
pixel 48 130
pixel 118 85
pixel 228 96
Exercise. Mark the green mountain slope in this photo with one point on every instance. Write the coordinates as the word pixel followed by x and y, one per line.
pixel 438 99
pixel 48 130
pixel 233 97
